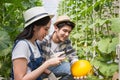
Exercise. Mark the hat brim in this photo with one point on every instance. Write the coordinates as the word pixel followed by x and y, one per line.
pixel 62 21
pixel 40 17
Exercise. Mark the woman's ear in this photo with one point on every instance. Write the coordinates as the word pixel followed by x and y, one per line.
pixel 36 28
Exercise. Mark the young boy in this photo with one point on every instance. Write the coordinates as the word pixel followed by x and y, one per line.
pixel 58 42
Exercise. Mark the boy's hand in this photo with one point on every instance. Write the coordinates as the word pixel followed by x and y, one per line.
pixel 58 54
pixel 80 78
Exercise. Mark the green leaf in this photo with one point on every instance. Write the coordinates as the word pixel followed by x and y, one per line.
pixel 105 68
pixel 112 45
pixel 115 27
pixel 108 69
pixel 76 36
pixel 103 45
pixel 96 63
pixel 6 51
pixel 100 21
pixel 4 40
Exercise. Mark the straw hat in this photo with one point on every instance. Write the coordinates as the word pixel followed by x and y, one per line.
pixel 61 19
pixel 34 14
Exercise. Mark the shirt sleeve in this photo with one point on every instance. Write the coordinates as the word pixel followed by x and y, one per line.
pixel 20 50
pixel 73 56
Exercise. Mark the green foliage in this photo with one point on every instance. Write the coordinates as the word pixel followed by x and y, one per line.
pixel 5 49
pixel 115 25
pixel 96 33
pixel 11 18
pixel 11 24
pixel 109 45
pixel 104 69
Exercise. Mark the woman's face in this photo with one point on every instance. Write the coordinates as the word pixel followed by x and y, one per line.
pixel 41 32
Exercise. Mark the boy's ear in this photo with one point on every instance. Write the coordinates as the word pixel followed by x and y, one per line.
pixel 55 27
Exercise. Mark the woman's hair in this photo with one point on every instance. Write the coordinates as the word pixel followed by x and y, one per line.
pixel 63 23
pixel 27 33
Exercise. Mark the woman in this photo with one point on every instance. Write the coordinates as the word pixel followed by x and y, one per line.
pixel 27 57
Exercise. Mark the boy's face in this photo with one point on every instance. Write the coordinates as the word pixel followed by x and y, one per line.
pixel 63 33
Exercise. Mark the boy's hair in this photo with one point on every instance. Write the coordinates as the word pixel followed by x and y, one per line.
pixel 63 23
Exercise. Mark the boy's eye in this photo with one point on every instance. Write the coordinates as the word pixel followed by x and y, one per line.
pixel 65 30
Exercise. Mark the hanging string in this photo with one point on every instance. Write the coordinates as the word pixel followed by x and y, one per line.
pixel 64 8
pixel 76 20
pixel 60 8
pixel 118 46
pixel 70 8
pixel 94 33
pixel 85 44
pixel 119 8
pixel 76 14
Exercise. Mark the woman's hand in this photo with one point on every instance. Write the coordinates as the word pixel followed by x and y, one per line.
pixel 47 71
